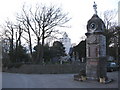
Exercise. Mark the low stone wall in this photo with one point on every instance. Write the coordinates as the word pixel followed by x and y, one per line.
pixel 48 69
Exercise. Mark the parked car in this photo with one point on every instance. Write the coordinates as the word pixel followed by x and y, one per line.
pixel 112 66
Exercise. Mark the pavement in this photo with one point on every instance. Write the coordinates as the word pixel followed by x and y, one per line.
pixel 12 80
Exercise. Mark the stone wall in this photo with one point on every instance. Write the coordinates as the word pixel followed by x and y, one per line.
pixel 48 69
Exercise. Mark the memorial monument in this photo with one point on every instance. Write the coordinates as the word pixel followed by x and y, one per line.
pixel 96 47
pixel 95 51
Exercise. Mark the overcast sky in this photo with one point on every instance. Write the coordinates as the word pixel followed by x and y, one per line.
pixel 79 10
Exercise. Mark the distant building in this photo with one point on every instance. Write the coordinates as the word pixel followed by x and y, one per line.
pixel 5 45
pixel 0 51
pixel 66 41
pixel 119 13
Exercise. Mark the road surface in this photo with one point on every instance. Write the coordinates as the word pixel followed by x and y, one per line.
pixel 11 80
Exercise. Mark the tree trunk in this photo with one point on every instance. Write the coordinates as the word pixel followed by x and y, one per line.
pixel 30 47
pixel 38 51
pixel 42 51
pixel 11 50
pixel 16 49
pixel 42 47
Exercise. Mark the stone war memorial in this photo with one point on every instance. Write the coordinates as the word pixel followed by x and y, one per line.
pixel 95 51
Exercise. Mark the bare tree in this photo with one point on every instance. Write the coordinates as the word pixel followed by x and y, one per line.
pixel 9 33
pixel 25 20
pixel 109 15
pixel 43 23
pixel 47 19
pixel 18 34
pixel 13 33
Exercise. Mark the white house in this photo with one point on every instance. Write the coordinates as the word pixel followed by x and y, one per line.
pixel 66 41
